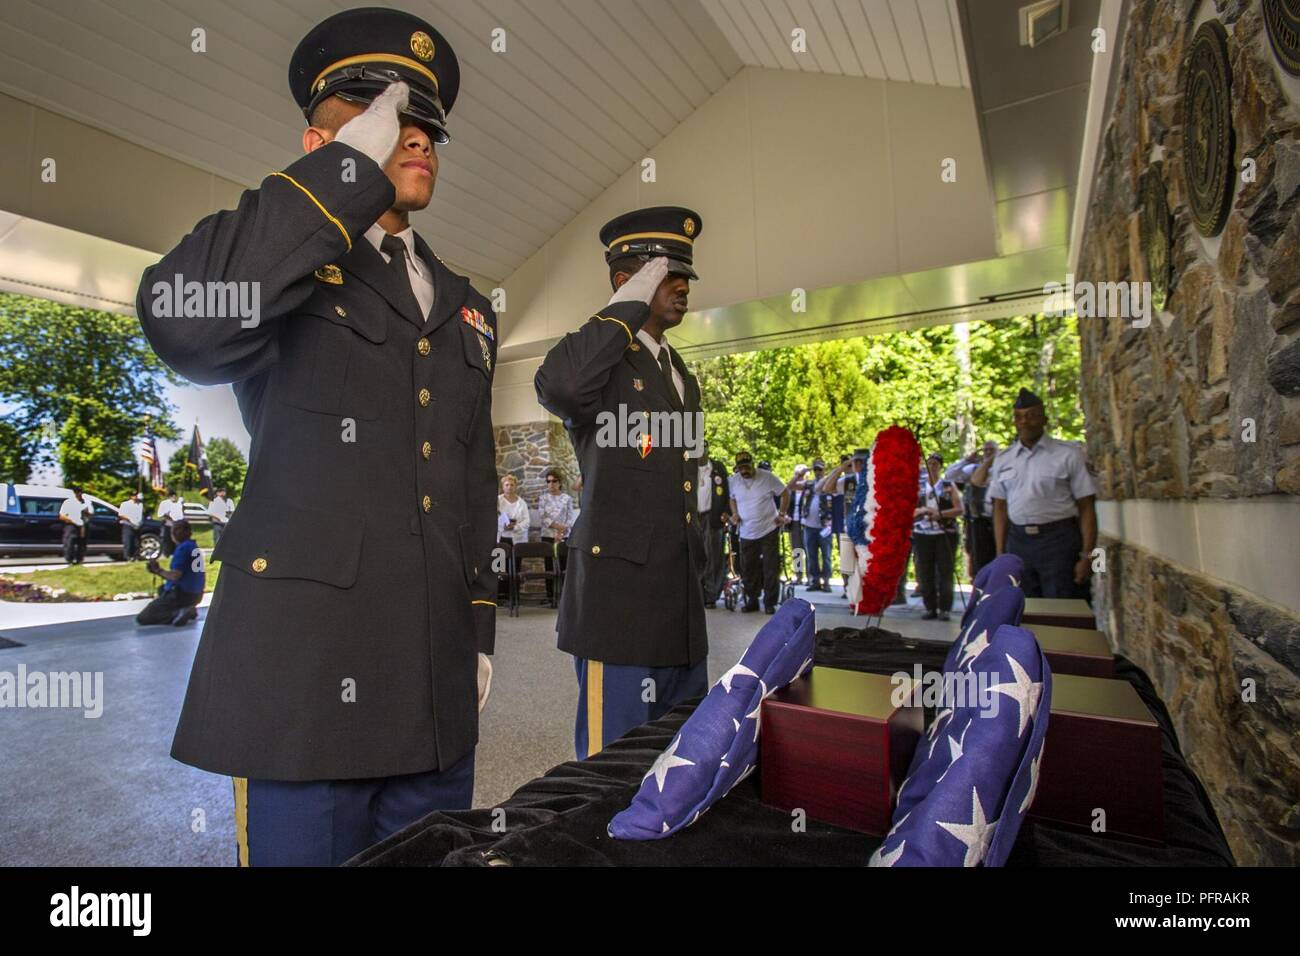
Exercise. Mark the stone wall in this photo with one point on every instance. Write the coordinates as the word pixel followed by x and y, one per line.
pixel 528 450
pixel 1205 402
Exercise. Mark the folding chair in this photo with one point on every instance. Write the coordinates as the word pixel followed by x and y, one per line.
pixel 538 551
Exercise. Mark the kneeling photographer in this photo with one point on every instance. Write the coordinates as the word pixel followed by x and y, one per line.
pixel 182 587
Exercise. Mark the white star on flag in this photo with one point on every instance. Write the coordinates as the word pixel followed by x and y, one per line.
pixel 974 649
pixel 740 670
pixel 977 835
pixel 1033 782
pixel 880 858
pixel 954 750
pixel 756 715
pixel 1024 692
pixel 667 761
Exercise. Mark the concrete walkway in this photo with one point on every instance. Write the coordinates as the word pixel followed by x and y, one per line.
pixel 81 791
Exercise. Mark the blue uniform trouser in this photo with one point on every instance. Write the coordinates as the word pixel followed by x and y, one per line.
pixel 326 822
pixel 1049 558
pixel 614 698
pixel 818 550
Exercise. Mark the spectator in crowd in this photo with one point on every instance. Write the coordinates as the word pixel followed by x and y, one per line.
pixel 1044 507
pixel 794 528
pixel 814 517
pixel 513 512
pixel 555 513
pixel 713 499
pixel 512 525
pixel 74 513
pixel 129 515
pixel 183 582
pixel 934 538
pixel 170 510
pixel 977 506
pixel 842 484
pixel 219 511
pixel 759 521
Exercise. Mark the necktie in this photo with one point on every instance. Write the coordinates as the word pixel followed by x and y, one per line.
pixel 666 366
pixel 395 249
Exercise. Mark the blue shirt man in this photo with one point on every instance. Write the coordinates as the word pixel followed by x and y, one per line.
pixel 191 581
pixel 183 583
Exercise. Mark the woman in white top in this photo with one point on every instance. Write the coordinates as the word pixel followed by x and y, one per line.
pixel 512 511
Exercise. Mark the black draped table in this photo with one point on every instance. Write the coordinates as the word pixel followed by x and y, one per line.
pixel 559 819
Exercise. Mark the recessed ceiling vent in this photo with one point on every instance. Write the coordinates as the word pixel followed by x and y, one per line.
pixel 1039 22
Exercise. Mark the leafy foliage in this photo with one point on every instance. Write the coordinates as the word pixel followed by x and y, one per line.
pixel 76 386
pixel 789 405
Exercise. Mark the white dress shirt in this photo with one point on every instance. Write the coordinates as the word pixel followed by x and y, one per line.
pixel 219 510
pixel 704 488
pixel 653 347
pixel 421 272
pixel 74 510
pixel 132 511
pixel 175 510
pixel 1041 484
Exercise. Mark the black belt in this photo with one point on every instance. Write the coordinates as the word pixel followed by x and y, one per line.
pixel 1040 528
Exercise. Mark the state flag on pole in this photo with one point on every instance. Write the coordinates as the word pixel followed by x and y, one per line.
pixel 198 460
pixel 149 455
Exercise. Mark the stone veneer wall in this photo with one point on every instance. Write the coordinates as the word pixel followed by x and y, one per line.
pixel 1165 407
pixel 528 450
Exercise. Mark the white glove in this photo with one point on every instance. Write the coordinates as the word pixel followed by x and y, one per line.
pixel 376 131
pixel 642 286
pixel 484 680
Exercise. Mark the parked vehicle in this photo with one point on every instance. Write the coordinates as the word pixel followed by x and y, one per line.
pixel 29 524
pixel 196 513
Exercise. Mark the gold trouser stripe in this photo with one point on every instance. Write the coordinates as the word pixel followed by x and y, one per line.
pixel 241 817
pixel 606 318
pixel 307 192
pixel 488 603
pixel 595 707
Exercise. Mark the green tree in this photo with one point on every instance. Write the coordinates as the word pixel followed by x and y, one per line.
pixel 77 385
pixel 228 466
pixel 178 476
pixel 792 404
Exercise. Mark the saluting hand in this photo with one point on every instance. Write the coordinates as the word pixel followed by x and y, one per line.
pixel 642 286
pixel 376 131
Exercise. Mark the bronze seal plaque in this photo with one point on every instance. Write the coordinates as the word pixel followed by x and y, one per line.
pixel 1282 18
pixel 1155 235
pixel 1207 128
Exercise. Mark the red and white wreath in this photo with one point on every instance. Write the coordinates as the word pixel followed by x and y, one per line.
pixel 887 518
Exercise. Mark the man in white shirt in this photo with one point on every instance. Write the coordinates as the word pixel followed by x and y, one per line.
pixel 170 510
pixel 219 511
pixel 74 512
pixel 759 521
pixel 1043 505
pixel 129 515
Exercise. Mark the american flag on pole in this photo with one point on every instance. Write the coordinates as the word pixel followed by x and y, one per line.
pixel 149 456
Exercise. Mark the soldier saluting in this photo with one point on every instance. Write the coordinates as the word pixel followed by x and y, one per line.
pixel 632 611
pixel 337 676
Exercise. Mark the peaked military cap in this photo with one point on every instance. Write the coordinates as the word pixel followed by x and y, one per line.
pixel 356 54
pixel 655 231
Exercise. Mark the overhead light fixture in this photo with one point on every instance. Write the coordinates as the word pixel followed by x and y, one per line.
pixel 1041 21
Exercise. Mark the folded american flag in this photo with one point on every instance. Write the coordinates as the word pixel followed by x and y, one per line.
pixel 717 747
pixel 975 773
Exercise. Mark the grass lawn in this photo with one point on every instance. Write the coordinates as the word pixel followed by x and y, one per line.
pixel 92 582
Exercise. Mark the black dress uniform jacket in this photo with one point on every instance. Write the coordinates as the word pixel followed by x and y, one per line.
pixel 359 556
pixel 719 497
pixel 632 591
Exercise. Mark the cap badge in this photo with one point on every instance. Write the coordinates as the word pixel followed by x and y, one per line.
pixel 689 226
pixel 331 274
pixel 638 384
pixel 320 85
pixel 421 45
